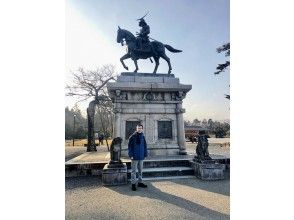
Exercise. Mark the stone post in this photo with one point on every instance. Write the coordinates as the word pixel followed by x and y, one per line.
pixel 117 125
pixel 181 129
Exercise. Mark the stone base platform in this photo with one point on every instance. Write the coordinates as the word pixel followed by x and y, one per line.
pixel 114 176
pixel 209 171
pixel 180 166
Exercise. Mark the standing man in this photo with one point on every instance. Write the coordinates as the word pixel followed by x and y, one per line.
pixel 137 152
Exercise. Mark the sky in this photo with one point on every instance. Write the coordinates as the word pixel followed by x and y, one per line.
pixel 197 27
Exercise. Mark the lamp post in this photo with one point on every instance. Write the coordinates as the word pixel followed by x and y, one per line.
pixel 74 128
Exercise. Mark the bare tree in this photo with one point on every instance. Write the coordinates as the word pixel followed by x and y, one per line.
pixel 88 84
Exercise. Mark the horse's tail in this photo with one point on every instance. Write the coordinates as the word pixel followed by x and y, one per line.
pixel 171 49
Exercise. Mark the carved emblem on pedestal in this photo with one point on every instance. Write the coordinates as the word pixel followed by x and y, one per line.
pixel 119 95
pixel 180 110
pixel 178 96
pixel 149 96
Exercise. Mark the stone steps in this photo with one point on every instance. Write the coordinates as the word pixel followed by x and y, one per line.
pixel 165 172
pixel 162 169
pixel 154 168
pixel 165 167
pixel 166 163
pixel 168 177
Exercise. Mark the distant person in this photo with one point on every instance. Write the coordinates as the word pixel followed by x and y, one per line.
pixel 137 152
pixel 101 138
pixel 191 139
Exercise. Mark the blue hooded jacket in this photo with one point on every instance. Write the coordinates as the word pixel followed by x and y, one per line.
pixel 137 146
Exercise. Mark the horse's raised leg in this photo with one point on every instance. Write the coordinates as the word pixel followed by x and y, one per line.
pixel 168 62
pixel 136 64
pixel 156 59
pixel 126 56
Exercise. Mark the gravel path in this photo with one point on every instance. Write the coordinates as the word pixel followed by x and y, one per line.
pixel 177 199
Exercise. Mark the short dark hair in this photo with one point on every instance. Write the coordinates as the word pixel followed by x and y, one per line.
pixel 140 125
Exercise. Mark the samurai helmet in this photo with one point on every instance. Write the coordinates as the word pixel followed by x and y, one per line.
pixel 141 20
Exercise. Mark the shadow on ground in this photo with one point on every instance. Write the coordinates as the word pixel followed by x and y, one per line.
pixel 220 187
pixel 157 194
pixel 211 186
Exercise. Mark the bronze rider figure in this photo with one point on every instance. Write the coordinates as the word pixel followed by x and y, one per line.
pixel 143 38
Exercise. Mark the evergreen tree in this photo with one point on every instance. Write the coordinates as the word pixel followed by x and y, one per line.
pixel 223 66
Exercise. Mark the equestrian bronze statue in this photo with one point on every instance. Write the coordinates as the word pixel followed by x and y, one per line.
pixel 142 48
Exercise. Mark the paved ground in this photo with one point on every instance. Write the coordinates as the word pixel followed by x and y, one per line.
pixel 214 148
pixel 86 198
pixel 72 152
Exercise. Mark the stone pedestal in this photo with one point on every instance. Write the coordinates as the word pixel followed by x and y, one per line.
pixel 209 170
pixel 155 101
pixel 114 176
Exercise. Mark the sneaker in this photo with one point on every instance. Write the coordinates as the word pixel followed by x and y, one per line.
pixel 134 187
pixel 142 185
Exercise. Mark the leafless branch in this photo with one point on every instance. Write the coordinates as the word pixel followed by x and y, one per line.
pixel 90 83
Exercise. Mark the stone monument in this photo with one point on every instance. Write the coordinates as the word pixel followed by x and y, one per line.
pixel 155 101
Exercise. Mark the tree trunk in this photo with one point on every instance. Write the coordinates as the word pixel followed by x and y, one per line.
pixel 90 115
pixel 103 128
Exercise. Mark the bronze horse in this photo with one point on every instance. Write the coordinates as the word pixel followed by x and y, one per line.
pixel 156 50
